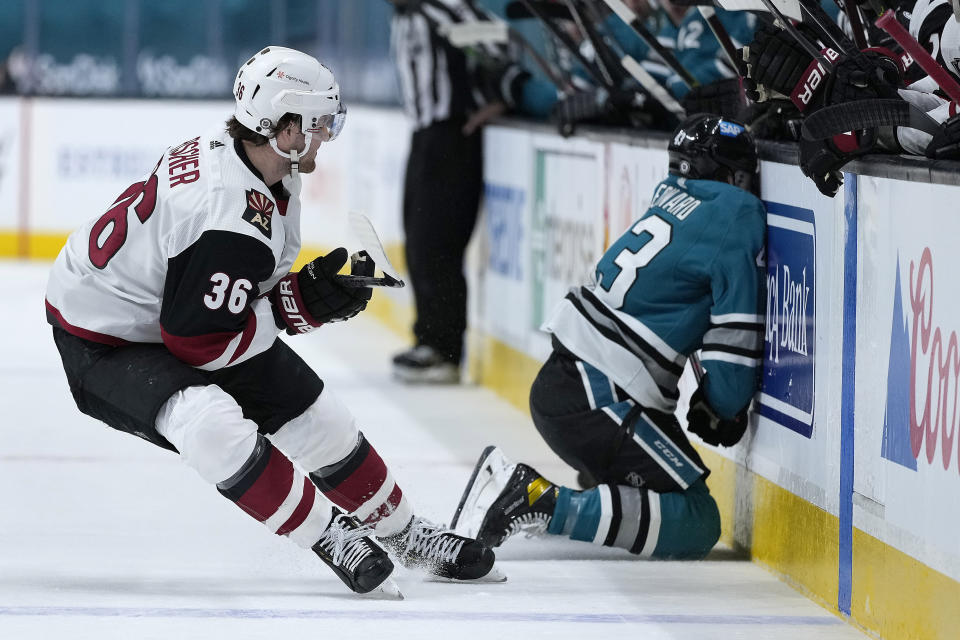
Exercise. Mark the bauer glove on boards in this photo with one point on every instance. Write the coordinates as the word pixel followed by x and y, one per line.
pixel 316 294
pixel 712 429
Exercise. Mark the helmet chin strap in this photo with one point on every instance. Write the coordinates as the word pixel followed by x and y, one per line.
pixel 293 155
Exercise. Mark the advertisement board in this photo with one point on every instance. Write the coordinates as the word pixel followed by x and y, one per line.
pixel 566 228
pixel 10 158
pixel 632 173
pixel 84 153
pixel 907 476
pixel 786 388
pixel 362 170
pixel 794 440
pixel 508 201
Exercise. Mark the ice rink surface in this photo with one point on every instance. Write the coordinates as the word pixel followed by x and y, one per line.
pixel 104 536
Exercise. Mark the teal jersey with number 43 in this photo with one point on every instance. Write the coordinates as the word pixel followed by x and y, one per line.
pixel 686 276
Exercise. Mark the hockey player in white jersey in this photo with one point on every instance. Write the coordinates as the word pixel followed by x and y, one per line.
pixel 684 277
pixel 166 311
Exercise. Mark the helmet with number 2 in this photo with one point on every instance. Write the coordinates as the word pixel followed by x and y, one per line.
pixel 277 81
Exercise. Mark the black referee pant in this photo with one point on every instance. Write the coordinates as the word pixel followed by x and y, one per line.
pixel 441 197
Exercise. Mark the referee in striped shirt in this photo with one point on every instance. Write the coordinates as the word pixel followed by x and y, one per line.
pixel 444 179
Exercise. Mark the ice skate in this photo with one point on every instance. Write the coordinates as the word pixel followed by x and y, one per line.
pixel 350 550
pixel 443 554
pixel 422 364
pixel 502 499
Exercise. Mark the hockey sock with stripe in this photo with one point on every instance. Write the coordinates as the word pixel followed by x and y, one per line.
pixel 362 485
pixel 668 525
pixel 270 489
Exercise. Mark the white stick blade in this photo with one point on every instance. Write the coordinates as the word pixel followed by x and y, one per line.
pixel 623 11
pixel 653 87
pixel 789 8
pixel 465 34
pixel 363 232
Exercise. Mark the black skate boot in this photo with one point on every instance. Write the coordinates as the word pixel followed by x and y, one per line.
pixel 442 553
pixel 349 549
pixel 502 498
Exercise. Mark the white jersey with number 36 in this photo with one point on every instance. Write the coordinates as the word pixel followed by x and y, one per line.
pixel 183 257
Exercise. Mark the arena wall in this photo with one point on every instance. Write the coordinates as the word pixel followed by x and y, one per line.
pixel 847 483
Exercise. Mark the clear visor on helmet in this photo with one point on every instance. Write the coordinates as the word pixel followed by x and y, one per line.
pixel 314 110
pixel 332 122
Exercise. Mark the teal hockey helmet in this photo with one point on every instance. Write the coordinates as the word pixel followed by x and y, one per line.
pixel 708 147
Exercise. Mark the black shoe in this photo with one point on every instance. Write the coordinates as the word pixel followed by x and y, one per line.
pixel 349 549
pixel 502 499
pixel 442 553
pixel 423 364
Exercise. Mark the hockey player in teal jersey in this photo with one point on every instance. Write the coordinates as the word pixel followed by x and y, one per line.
pixel 684 277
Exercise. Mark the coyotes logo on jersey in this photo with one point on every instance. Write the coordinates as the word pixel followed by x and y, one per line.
pixel 259 211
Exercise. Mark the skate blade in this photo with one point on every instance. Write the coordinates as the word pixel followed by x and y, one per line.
pixel 495 576
pixel 388 590
pixel 484 486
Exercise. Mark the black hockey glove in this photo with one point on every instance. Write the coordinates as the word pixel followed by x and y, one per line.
pixel 592 106
pixel 775 62
pixel 305 300
pixel 778 66
pixel 945 144
pixel 724 98
pixel 703 421
pixel 821 160
pixel 502 82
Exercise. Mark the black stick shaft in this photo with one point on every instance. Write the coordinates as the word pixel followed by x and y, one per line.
pixel 568 43
pixel 633 21
pixel 856 24
pixel 720 33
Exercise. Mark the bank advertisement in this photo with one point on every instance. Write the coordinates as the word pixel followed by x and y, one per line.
pixel 794 437
pixel 786 388
pixel 907 480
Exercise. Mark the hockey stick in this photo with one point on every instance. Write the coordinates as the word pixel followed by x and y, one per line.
pixel 888 22
pixel 866 114
pixel 726 43
pixel 654 88
pixel 633 21
pixel 469 34
pixel 783 11
pixel 536 11
pixel 587 19
pixel 697 367
pixel 852 12
pixel 363 232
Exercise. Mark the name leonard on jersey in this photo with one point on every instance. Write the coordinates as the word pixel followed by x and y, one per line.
pixel 259 212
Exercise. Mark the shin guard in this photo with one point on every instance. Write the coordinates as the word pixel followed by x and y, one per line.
pixel 269 488
pixel 362 485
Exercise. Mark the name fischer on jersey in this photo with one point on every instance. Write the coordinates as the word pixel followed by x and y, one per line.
pixel 185 163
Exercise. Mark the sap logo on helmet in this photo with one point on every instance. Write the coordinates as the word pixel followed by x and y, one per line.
pixel 681 135
pixel 730 129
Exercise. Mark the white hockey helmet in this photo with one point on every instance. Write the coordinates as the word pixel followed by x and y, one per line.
pixel 277 81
